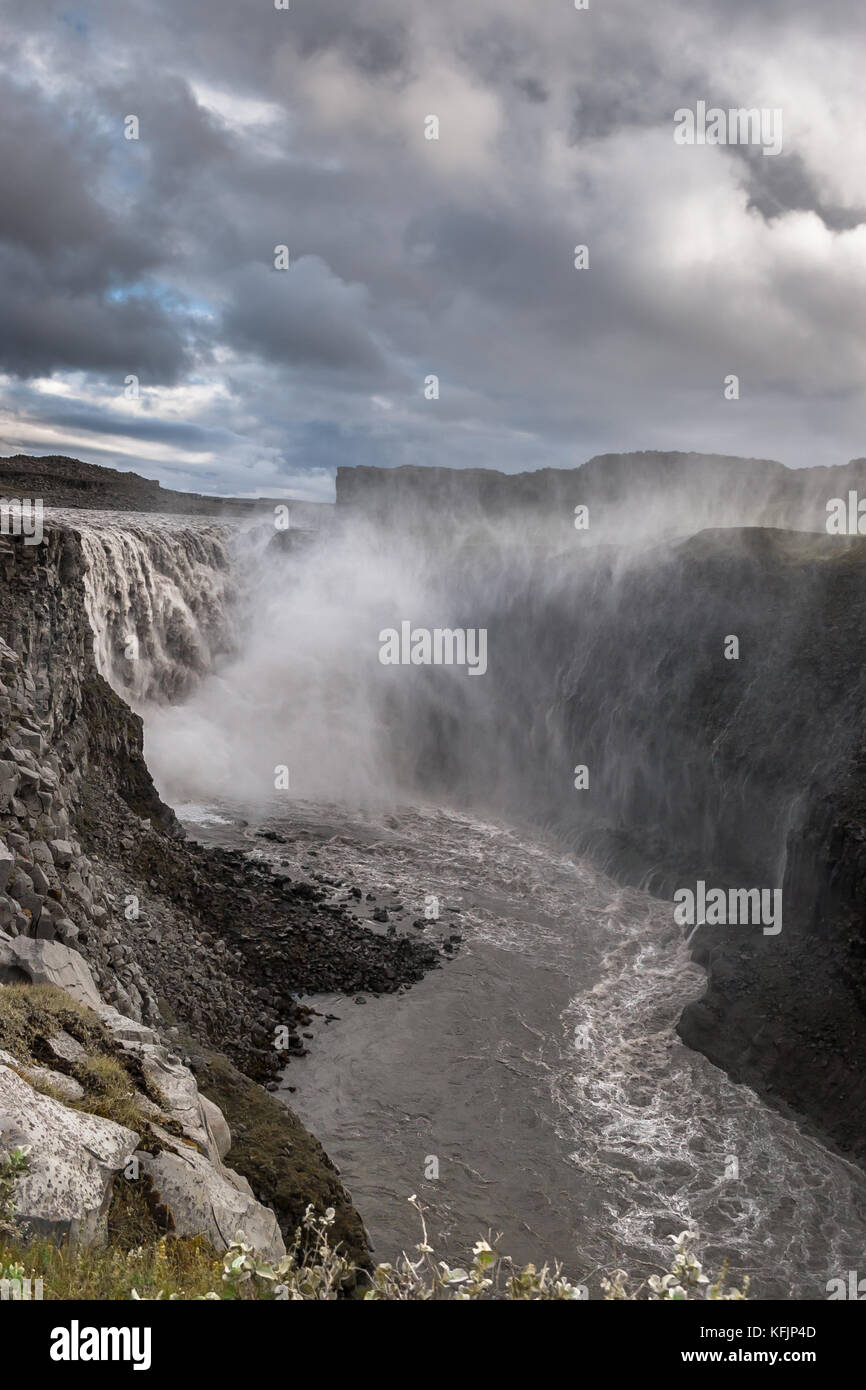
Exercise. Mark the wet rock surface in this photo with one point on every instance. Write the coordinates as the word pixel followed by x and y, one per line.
pixel 99 893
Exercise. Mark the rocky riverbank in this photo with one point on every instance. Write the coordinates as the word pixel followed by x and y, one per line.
pixel 192 949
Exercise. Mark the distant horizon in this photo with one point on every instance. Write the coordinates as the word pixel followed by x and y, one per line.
pixel 294 494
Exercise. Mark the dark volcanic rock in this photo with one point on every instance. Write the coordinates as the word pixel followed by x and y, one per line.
pixel 67 482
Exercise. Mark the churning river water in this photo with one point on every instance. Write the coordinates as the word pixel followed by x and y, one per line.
pixel 539 1072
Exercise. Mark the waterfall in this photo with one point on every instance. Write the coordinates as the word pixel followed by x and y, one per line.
pixel 160 595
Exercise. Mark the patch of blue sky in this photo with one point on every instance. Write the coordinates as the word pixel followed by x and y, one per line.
pixel 77 21
pixel 168 297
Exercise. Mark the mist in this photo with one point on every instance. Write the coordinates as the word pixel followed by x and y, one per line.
pixel 611 710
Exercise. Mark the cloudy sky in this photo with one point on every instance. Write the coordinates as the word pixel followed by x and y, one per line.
pixel 260 127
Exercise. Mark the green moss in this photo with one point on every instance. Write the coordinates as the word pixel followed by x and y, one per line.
pixel 30 1014
pixel 109 1092
pixel 113 1080
pixel 136 1216
pixel 285 1165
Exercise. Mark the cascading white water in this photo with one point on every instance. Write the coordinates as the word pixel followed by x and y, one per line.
pixel 160 593
pixel 304 689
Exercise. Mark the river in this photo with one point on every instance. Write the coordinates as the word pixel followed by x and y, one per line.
pixel 540 1067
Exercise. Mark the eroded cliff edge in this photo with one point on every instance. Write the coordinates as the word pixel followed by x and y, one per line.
pixel 200 949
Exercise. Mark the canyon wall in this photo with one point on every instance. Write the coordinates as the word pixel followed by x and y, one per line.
pixel 638 496
pixel 606 649
pixel 743 772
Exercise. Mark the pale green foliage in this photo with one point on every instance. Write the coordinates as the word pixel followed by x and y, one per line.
pixel 12 1166
pixel 490 1275
pixel 322 1272
pixel 314 1269
pixel 686 1279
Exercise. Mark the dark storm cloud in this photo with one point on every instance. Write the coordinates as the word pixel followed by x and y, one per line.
pixel 305 127
pixel 68 242
pixel 180 142
pixel 534 89
pixel 376 50
pixel 52 168
pixel 42 332
pixel 777 186
pixel 302 316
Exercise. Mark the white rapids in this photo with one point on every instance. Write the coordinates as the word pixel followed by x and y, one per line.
pixel 542 1071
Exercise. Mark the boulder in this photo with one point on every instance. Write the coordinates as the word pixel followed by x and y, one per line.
pixel 73 1158
pixel 47 963
pixel 78 888
pixel 7 864
pixel 65 930
pixel 177 1084
pixel 32 740
pixel 8 783
pixel 40 880
pixel 62 852
pixel 212 1201
pixel 125 1030
pixel 28 788
pixel 215 1120
pixel 66 1048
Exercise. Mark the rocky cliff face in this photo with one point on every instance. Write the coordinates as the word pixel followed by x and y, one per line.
pixel 743 773
pixel 640 496
pixel 63 734
pixel 183 943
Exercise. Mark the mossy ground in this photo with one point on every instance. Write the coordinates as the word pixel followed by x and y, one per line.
pixel 112 1079
pixel 285 1165
pixel 186 1268
pixel 30 1014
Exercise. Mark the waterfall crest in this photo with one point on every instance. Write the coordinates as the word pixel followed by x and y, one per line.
pixel 160 595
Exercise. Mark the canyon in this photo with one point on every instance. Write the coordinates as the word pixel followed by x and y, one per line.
pixel 605 651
